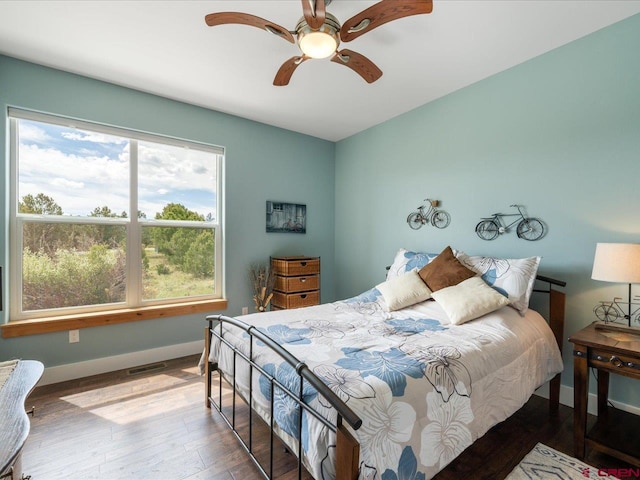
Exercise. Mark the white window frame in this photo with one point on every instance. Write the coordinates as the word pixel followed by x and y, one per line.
pixel 133 224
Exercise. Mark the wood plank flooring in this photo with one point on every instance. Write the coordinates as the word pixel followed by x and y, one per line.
pixel 154 426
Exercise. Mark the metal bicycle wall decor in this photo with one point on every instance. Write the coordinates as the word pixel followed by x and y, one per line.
pixel 528 228
pixel 438 218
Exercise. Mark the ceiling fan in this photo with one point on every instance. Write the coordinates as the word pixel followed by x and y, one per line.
pixel 318 33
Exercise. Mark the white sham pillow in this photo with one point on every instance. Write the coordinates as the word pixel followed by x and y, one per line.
pixel 512 277
pixel 403 291
pixel 468 300
pixel 407 260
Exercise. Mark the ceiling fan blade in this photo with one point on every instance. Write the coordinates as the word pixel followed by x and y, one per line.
pixel 224 18
pixel 286 70
pixel 381 13
pixel 359 64
pixel 314 13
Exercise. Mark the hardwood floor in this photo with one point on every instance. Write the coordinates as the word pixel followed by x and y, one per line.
pixel 154 425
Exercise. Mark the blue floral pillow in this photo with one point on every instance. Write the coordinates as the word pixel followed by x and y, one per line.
pixel 406 260
pixel 512 277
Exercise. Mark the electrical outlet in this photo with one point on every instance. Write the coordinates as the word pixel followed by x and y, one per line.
pixel 245 310
pixel 74 336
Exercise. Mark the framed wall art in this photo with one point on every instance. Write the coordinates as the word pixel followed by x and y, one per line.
pixel 286 217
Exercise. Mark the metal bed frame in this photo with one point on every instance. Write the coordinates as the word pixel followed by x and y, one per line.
pixel 347 447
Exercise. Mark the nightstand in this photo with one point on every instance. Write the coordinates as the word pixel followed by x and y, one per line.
pixel 616 431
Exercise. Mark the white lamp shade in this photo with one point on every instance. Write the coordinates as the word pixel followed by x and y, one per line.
pixel 617 262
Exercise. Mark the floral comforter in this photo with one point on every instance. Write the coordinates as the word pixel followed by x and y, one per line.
pixel 424 388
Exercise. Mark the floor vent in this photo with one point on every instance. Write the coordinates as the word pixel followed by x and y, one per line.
pixel 146 368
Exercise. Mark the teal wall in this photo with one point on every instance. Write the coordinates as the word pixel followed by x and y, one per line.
pixel 559 134
pixel 262 163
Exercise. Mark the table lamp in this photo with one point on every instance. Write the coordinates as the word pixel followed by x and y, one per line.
pixel 617 262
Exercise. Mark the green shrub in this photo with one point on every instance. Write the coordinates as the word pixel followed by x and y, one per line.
pixel 163 269
pixel 71 278
pixel 198 259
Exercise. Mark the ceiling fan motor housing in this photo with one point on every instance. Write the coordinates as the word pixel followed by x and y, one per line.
pixel 319 43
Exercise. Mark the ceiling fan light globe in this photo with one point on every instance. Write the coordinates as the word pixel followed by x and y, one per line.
pixel 317 44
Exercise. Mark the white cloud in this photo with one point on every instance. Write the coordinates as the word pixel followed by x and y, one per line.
pixel 85 179
pixel 64 183
pixel 95 137
pixel 77 184
pixel 180 168
pixel 31 133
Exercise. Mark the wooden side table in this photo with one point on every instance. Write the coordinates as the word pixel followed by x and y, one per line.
pixel 616 431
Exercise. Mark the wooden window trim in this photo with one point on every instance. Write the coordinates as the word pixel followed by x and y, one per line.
pixel 61 323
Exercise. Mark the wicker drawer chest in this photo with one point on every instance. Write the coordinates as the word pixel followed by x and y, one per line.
pixel 297 282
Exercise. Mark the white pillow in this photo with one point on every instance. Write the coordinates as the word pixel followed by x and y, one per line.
pixel 469 299
pixel 406 260
pixel 405 290
pixel 512 277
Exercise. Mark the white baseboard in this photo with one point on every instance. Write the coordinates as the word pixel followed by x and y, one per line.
pixel 62 373
pixel 566 398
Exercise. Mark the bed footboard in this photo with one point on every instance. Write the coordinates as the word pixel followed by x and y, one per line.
pixel 347 448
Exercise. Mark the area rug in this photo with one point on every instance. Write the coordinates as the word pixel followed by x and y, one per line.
pixel 546 463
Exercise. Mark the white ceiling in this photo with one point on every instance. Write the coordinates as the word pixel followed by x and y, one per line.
pixel 165 48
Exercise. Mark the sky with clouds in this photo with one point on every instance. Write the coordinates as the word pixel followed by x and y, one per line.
pixel 83 170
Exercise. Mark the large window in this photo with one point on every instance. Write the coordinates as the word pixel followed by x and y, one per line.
pixel 104 218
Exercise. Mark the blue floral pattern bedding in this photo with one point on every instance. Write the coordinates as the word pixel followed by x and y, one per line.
pixel 424 388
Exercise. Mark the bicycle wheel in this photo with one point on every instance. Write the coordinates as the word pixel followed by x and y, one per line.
pixel 415 220
pixel 606 313
pixel 487 230
pixel 530 229
pixel 440 219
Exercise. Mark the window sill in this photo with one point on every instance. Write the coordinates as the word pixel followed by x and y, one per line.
pixel 61 323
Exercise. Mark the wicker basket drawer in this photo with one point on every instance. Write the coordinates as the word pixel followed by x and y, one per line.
pixel 295 300
pixel 297 284
pixel 289 266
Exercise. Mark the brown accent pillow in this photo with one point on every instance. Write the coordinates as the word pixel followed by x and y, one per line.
pixel 444 271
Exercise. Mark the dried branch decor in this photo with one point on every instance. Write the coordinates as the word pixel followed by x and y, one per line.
pixel 262 281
